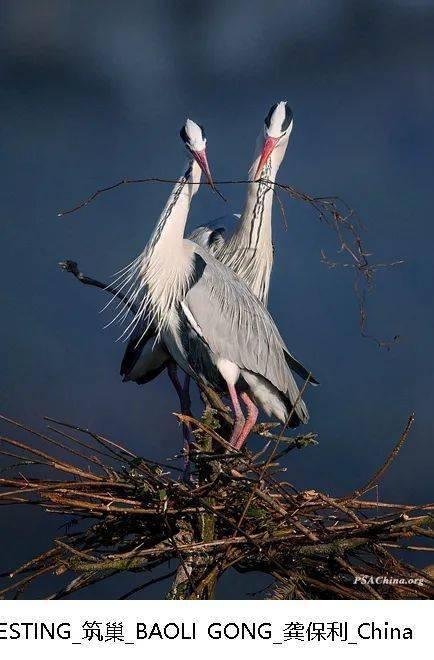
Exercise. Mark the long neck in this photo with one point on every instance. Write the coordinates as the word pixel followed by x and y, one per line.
pixel 169 230
pixel 249 251
pixel 166 264
pixel 254 225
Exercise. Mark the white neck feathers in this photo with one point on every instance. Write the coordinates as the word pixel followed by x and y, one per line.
pixel 166 264
pixel 249 251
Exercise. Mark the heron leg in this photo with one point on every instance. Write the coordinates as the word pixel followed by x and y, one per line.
pixel 183 392
pixel 252 416
pixel 239 416
pixel 186 430
pixel 186 401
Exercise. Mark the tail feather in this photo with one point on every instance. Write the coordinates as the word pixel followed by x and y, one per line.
pixel 299 369
pixel 296 407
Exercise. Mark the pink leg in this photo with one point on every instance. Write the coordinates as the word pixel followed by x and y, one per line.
pixel 239 417
pixel 252 416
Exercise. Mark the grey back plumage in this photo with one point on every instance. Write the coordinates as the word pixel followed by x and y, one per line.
pixel 226 317
pixel 213 235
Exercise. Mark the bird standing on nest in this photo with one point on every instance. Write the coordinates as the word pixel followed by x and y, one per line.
pixel 242 242
pixel 207 318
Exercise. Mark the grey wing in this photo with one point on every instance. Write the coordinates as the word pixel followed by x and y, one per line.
pixel 144 358
pixel 213 235
pixel 300 369
pixel 235 325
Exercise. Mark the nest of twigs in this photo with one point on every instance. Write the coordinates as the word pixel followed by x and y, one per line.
pixel 135 515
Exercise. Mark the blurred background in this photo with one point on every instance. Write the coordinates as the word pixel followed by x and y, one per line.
pixel 95 91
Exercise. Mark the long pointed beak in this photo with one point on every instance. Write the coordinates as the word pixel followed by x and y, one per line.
pixel 202 161
pixel 267 149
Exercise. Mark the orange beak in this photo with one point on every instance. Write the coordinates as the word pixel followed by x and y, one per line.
pixel 202 161
pixel 267 150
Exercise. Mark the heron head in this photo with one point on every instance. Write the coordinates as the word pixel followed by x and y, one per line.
pixel 194 139
pixel 277 129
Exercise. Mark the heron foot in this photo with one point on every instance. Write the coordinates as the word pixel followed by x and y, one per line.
pixel 252 416
pixel 237 430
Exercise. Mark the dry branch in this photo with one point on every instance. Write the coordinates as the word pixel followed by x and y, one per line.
pixel 135 516
pixel 331 210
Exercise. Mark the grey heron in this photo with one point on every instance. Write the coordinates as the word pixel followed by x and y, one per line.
pixel 207 318
pixel 242 242
pixel 145 356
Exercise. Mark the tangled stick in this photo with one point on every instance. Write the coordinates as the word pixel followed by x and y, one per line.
pixel 132 515
pixel 333 211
